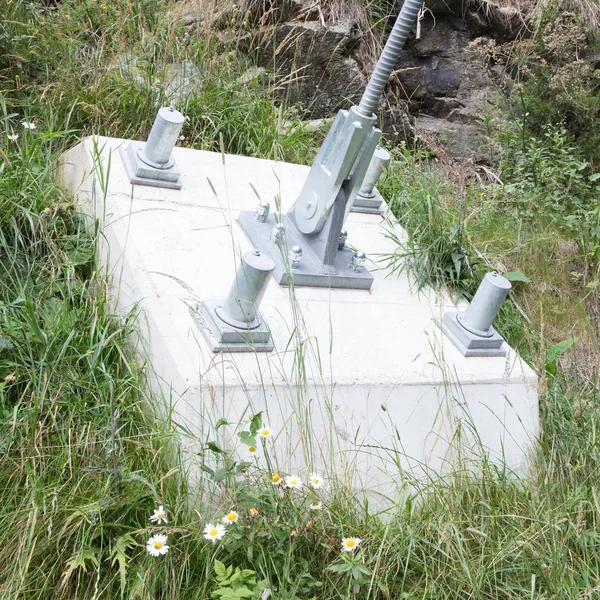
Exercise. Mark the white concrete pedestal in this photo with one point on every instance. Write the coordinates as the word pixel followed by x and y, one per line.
pixel 362 382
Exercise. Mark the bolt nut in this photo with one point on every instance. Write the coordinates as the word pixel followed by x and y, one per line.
pixel 277 234
pixel 294 256
pixel 358 261
pixel 342 240
pixel 262 212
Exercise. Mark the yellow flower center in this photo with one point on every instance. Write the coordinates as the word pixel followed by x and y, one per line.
pixel 315 481
pixel 231 516
pixel 158 545
pixel 265 432
pixel 252 449
pixel 350 543
pixel 293 481
pixel 253 511
pixel 214 532
pixel 275 478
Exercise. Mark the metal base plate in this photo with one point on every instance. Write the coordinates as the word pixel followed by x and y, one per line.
pixel 142 174
pixel 373 205
pixel 222 337
pixel 310 271
pixel 468 343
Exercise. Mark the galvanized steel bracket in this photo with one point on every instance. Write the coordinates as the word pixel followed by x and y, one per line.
pixel 315 221
pixel 235 324
pixel 152 163
pixel 470 344
pixel 222 337
pixel 141 173
pixel 310 271
pixel 471 331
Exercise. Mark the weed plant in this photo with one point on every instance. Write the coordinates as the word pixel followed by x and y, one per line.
pixel 85 459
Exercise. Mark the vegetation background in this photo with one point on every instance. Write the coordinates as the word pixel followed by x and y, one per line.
pixel 85 456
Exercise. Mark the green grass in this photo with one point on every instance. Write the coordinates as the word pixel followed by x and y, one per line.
pixel 85 454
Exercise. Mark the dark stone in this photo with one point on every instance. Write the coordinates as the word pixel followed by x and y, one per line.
pixel 324 76
pixel 440 78
pixel 325 91
pixel 439 38
pixel 442 107
pixel 476 23
pixel 431 76
pixel 308 43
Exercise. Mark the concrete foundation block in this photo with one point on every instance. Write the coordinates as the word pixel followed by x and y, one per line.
pixel 361 383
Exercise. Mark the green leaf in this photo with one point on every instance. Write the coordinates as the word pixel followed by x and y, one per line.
pixel 79 249
pixel 221 423
pixel 83 559
pixel 247 438
pixel 220 569
pixel 554 352
pixel 229 594
pixel 517 276
pixel 214 448
pixel 119 555
pixel 256 422
pixel 242 592
pixel 220 474
pixel 5 344
pixel 340 568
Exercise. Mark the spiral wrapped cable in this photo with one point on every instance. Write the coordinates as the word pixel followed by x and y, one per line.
pixel 389 56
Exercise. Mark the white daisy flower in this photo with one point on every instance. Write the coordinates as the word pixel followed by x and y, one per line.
pixel 316 506
pixel 230 517
pixel 159 515
pixel 276 479
pixel 253 512
pixel 214 532
pixel 28 124
pixel 293 482
pixel 350 544
pixel 265 431
pixel 252 451
pixel 316 480
pixel 157 545
pixel 13 137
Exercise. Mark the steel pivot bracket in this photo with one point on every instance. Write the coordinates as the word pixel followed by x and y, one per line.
pixel 315 221
pixel 312 228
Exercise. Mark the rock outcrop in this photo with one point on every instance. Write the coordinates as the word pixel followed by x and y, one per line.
pixel 440 88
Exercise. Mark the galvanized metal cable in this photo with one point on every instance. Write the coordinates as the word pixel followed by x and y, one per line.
pixel 389 57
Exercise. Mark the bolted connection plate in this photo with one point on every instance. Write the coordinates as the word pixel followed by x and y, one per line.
pixel 467 343
pixel 142 174
pixel 310 271
pixel 222 337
